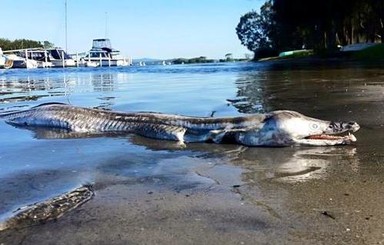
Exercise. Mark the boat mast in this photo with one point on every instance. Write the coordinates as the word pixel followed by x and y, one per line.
pixel 106 24
pixel 66 28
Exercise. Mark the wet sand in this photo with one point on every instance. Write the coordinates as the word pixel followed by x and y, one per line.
pixel 222 203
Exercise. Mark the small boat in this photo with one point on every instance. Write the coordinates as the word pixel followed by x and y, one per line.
pixel 103 54
pixel 14 61
pixel 28 58
pixel 18 58
pixel 60 58
pixel 40 55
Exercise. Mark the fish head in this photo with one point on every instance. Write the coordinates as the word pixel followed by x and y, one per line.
pixel 300 129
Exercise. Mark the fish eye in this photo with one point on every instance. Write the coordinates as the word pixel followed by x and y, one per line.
pixel 314 126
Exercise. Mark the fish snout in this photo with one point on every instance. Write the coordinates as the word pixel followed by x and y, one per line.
pixel 352 126
pixel 337 127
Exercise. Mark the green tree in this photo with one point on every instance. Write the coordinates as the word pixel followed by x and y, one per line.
pixel 292 24
pixel 251 33
pixel 324 24
pixel 48 45
pixel 7 44
pixel 228 57
pixel 258 31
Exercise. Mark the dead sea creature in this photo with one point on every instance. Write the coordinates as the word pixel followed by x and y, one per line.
pixel 277 128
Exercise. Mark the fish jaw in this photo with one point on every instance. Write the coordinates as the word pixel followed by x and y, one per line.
pixel 327 140
pixel 333 135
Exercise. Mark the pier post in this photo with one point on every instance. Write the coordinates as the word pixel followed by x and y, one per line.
pixel 26 58
pixel 46 57
pixel 62 57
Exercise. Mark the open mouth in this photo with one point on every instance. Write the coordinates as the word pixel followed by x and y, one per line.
pixel 349 137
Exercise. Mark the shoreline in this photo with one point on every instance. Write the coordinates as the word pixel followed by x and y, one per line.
pixel 213 206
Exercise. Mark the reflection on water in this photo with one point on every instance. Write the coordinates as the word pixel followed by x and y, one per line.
pixel 249 96
pixel 295 164
pixel 53 161
pixel 292 164
pixel 103 82
pixel 33 87
pixel 309 91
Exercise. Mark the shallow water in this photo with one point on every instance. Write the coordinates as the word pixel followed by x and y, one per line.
pixel 34 167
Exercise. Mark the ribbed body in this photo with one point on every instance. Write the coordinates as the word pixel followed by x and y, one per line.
pixel 92 120
pixel 155 125
pixel 277 128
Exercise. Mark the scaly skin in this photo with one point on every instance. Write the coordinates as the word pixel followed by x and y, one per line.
pixel 277 128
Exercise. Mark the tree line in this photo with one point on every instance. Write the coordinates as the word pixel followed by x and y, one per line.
pixel 320 25
pixel 6 44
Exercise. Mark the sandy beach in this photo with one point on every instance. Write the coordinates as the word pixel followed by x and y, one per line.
pixel 220 203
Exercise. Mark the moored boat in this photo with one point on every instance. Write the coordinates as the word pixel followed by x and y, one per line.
pixel 60 58
pixel 15 61
pixel 103 54
pixel 28 58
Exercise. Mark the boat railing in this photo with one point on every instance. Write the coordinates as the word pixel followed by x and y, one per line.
pixel 51 56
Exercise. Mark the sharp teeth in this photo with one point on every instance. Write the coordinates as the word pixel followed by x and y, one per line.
pixel 352 138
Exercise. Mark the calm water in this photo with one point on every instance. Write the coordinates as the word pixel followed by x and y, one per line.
pixel 34 166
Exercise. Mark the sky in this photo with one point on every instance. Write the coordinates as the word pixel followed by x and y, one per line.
pixel 160 29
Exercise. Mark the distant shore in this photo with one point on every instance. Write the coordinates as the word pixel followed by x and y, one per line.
pixel 370 54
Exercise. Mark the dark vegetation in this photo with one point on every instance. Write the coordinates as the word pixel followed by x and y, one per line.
pixel 323 26
pixel 7 44
pixel 201 59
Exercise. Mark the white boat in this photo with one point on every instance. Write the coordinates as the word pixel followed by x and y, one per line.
pixel 60 58
pixel 33 57
pixel 14 61
pixel 38 54
pixel 18 58
pixel 2 59
pixel 86 63
pixel 103 54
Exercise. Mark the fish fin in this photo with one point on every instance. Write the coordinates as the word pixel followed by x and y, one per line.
pixel 161 131
pixel 225 135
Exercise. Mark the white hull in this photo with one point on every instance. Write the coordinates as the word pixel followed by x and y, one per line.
pixel 14 61
pixel 63 63
pixel 108 62
pixel 2 62
pixel 84 63
pixel 60 58
pixel 103 53
pixel 44 64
